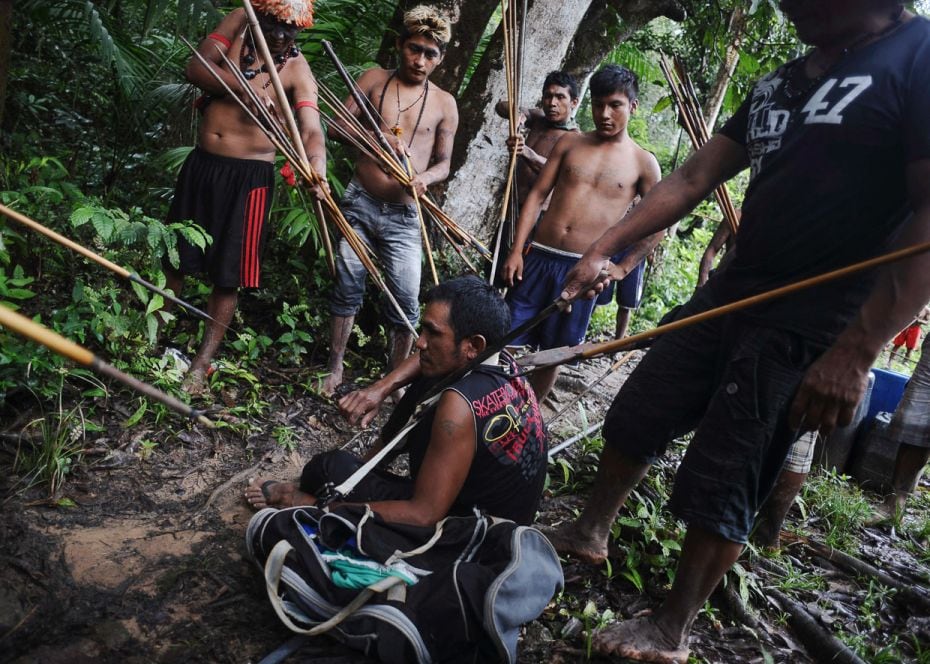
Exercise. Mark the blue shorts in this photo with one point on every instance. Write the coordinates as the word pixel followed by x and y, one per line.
pixel 544 275
pixel 731 381
pixel 629 289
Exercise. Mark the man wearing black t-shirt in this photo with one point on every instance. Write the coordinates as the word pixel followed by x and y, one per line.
pixel 838 143
pixel 482 446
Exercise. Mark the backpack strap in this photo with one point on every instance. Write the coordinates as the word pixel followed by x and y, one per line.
pixel 274 565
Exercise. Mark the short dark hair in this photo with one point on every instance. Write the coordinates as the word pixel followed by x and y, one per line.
pixel 475 307
pixel 562 79
pixel 614 78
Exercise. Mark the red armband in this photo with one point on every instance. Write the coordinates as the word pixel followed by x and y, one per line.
pixel 215 36
pixel 306 104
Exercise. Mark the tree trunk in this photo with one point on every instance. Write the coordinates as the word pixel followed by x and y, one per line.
pixel 469 20
pixel 479 162
pixel 607 24
pixel 718 90
pixel 6 47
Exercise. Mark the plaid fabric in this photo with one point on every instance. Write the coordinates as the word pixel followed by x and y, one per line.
pixel 910 423
pixel 801 453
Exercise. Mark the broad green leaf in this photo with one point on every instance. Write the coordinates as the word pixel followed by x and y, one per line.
pixel 81 216
pixel 103 224
pixel 156 303
pixel 141 292
pixel 136 416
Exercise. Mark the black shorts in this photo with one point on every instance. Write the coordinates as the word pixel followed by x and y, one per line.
pixel 337 466
pixel 230 198
pixel 730 381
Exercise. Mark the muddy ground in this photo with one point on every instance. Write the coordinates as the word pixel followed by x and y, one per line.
pixel 149 565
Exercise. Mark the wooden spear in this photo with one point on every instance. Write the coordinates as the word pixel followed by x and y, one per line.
pixel 100 260
pixel 555 356
pixel 306 171
pixel 512 111
pixel 692 120
pixel 66 348
pixel 362 102
pixel 259 38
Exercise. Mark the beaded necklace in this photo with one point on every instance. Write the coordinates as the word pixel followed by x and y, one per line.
pixel 424 95
pixel 247 59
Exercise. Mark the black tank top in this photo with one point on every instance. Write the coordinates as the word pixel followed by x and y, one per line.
pixel 509 468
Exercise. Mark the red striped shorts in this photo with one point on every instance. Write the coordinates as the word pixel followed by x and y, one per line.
pixel 230 198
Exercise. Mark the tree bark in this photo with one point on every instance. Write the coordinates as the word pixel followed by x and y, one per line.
pixel 607 24
pixel 479 161
pixel 6 48
pixel 718 90
pixel 469 20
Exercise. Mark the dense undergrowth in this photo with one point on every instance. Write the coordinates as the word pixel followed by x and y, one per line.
pixel 90 147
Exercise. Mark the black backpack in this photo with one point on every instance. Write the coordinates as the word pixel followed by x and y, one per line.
pixel 477 580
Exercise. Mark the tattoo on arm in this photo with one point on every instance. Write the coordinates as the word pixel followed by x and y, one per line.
pixel 451 427
pixel 442 148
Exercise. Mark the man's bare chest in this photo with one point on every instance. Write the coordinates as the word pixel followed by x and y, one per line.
pixel 542 141
pixel 408 119
pixel 609 175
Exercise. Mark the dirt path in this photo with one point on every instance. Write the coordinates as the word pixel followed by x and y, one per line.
pixel 148 565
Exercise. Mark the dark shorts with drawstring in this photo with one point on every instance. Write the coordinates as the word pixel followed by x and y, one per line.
pixel 731 382
pixel 230 198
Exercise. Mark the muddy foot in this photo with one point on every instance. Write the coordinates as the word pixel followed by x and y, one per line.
pixel 195 383
pixel 264 493
pixel 567 540
pixel 640 639
pixel 884 516
pixel 329 385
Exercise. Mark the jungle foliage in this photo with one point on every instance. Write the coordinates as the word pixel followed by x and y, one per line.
pixel 96 122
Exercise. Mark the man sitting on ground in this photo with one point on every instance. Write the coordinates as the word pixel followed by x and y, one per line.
pixel 591 176
pixel 483 445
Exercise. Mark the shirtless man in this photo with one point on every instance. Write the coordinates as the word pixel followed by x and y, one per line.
pixel 545 127
pixel 226 183
pixel 419 119
pixel 591 176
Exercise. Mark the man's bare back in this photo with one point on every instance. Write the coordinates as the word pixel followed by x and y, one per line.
pixel 596 182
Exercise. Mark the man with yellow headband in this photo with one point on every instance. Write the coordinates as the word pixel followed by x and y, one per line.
pixel 227 182
pixel 419 119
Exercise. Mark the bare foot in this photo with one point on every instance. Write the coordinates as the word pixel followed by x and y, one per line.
pixel 567 539
pixel 887 514
pixel 766 537
pixel 641 640
pixel 330 384
pixel 264 493
pixel 195 383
